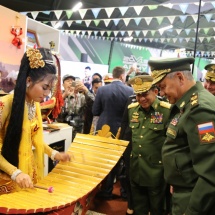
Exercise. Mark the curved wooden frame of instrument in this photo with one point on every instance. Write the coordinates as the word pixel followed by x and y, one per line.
pixel 93 159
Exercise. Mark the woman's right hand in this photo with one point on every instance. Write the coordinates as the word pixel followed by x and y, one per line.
pixel 24 181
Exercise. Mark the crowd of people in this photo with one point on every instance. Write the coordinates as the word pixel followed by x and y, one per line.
pixel 167 117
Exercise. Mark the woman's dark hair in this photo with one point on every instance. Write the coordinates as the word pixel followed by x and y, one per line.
pixel 14 131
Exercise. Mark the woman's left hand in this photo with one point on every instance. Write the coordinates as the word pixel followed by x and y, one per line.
pixel 62 156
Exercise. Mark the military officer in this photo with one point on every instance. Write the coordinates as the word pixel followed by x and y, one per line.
pixel 148 118
pixel 188 153
pixel 209 83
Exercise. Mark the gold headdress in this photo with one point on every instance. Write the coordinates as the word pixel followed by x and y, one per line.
pixel 35 58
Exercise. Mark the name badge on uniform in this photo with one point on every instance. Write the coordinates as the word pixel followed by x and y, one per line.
pixel 157 118
pixel 206 132
pixel 171 132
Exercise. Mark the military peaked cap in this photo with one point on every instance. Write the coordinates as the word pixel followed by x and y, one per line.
pixel 160 68
pixel 141 83
pixel 210 74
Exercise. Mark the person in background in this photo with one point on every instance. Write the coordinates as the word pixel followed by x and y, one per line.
pixel 74 105
pixel 133 71
pixel 21 124
pixel 108 78
pixel 188 151
pixel 89 98
pixel 96 76
pixel 148 119
pixel 96 83
pixel 67 85
pixel 209 83
pixel 109 105
pixel 87 77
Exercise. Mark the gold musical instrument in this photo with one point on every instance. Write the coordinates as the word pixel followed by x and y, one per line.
pixel 75 182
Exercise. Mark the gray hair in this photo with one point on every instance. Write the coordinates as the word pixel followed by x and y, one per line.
pixel 186 73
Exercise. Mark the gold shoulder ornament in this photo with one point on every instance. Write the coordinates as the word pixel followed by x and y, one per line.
pixel 132 105
pixel 194 100
pixel 165 104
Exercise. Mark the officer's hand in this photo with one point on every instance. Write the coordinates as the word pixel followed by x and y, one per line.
pixel 24 181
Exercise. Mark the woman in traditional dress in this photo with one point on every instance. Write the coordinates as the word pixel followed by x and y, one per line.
pixel 21 133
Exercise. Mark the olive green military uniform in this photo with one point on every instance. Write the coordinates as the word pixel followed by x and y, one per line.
pixel 189 153
pixel 146 168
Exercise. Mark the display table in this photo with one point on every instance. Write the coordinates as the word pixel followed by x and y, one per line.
pixel 59 140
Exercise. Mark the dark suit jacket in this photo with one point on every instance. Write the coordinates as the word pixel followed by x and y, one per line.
pixel 110 103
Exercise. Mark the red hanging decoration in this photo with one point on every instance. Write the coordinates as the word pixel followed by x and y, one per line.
pixel 17 41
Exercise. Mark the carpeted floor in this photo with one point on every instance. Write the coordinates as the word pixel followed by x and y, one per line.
pixel 116 206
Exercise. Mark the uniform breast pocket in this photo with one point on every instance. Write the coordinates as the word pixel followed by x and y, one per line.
pixel 134 125
pixel 156 127
pixel 155 159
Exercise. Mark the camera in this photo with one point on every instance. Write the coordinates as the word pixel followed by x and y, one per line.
pixel 73 84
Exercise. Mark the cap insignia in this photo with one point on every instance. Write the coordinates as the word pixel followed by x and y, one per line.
pixel 156 73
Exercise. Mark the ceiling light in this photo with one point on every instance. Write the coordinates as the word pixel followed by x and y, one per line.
pixel 77 6
pixel 166 28
pixel 128 39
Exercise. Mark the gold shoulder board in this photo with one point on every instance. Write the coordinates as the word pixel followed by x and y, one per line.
pixel 194 100
pixel 132 105
pixel 165 104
